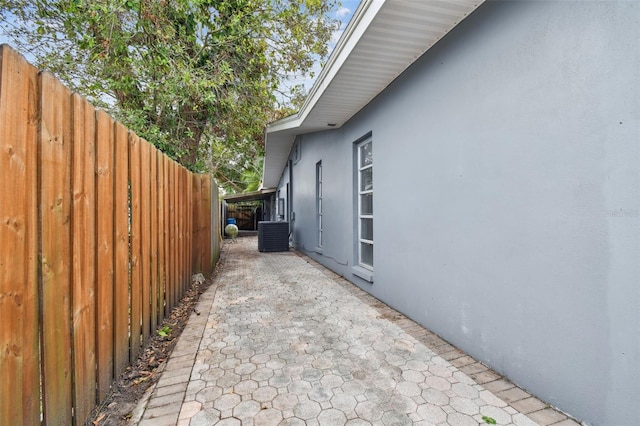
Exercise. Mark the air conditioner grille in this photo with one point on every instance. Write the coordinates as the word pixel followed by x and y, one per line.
pixel 273 236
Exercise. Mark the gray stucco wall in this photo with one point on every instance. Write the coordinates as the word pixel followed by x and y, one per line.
pixel 506 198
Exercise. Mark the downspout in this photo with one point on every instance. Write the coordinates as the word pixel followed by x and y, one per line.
pixel 292 216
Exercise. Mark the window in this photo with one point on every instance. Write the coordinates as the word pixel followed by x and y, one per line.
pixel 297 154
pixel 365 204
pixel 319 201
pixel 280 207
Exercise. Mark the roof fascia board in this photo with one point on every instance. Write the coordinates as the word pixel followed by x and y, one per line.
pixel 260 194
pixel 362 17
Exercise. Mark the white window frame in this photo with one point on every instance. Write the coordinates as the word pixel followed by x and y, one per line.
pixel 319 218
pixel 361 192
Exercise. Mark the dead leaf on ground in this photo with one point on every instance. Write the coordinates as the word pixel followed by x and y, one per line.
pixel 98 419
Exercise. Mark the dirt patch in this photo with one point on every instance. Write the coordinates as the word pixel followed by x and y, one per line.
pixel 129 388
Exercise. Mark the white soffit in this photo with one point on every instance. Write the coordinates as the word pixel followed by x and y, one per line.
pixel 381 41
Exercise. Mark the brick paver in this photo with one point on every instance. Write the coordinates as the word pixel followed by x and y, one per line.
pixel 280 340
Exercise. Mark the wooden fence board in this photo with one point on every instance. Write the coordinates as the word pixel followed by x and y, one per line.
pixel 145 235
pixel 168 232
pixel 189 216
pixel 172 235
pixel 154 189
pixel 196 206
pixel 162 258
pixel 183 231
pixel 183 226
pixel 121 297
pixel 204 236
pixel 105 162
pixel 189 232
pixel 84 258
pixel 176 236
pixel 216 225
pixel 167 238
pixel 19 354
pixel 206 200
pixel 55 257
pixel 136 243
pixel 201 251
pixel 176 241
pixel 179 236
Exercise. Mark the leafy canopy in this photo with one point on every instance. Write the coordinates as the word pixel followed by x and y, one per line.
pixel 197 78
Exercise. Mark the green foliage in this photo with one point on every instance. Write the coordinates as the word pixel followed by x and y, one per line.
pixel 197 78
pixel 164 331
pixel 489 420
pixel 252 176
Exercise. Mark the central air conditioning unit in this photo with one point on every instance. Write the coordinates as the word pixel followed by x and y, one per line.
pixel 273 236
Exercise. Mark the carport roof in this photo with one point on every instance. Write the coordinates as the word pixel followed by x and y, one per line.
pixel 382 39
pixel 262 194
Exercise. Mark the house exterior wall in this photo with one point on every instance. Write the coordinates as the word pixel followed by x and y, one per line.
pixel 283 193
pixel 506 198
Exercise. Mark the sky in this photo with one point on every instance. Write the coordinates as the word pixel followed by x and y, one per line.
pixel 344 14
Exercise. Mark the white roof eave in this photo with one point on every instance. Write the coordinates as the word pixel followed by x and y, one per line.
pixel 358 24
pixel 329 105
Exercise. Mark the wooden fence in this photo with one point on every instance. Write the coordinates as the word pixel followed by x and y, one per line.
pixel 99 236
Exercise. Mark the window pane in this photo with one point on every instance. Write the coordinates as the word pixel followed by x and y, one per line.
pixel 366 229
pixel 366 204
pixel 366 156
pixel 366 180
pixel 366 254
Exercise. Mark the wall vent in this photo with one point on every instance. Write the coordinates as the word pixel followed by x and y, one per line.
pixel 273 236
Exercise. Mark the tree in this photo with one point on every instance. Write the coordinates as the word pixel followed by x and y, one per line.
pixel 197 78
pixel 252 176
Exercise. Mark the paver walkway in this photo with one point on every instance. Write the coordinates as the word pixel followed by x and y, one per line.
pixel 277 341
